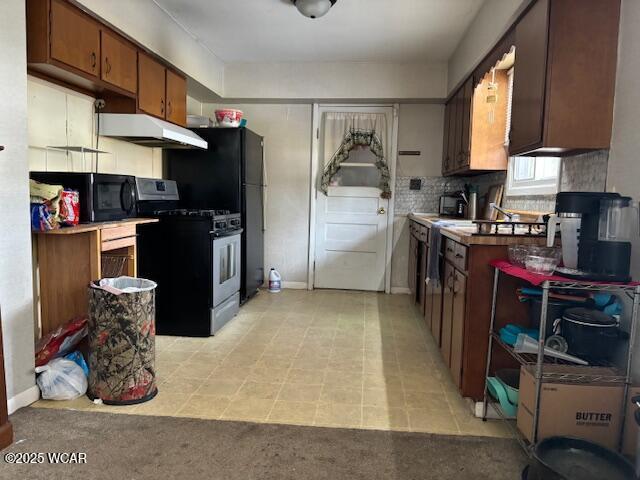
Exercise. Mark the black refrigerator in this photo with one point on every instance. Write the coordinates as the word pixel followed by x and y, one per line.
pixel 229 175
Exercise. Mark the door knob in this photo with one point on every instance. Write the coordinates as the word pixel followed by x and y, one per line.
pixel 381 211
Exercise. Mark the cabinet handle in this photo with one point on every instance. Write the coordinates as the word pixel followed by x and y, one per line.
pixel 450 282
pixel 169 109
pixel 458 255
pixel 162 106
pixel 106 62
pixel 93 60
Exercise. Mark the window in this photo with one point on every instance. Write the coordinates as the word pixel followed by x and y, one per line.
pixel 533 175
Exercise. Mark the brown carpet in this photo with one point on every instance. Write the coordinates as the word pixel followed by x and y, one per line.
pixel 142 447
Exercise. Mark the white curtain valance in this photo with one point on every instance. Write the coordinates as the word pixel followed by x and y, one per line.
pixel 345 130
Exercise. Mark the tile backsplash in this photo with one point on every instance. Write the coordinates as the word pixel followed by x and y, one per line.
pixel 425 200
pixel 586 172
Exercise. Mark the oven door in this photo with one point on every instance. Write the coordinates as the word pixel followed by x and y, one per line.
pixel 114 197
pixel 226 267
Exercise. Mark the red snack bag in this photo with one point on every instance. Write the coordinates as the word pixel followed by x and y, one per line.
pixel 61 341
pixel 70 207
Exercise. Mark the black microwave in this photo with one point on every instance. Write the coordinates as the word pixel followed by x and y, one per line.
pixel 103 197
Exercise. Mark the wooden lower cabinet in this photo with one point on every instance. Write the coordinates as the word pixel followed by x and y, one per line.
pixel 435 321
pixel 421 288
pixel 70 258
pixel 413 265
pixel 447 312
pixel 457 310
pixel 457 325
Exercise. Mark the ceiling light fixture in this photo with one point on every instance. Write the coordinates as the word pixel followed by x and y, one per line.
pixel 314 8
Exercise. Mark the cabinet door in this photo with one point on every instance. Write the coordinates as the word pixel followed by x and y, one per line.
pixel 436 310
pixel 428 305
pixel 176 98
pixel 119 62
pixel 151 86
pixel 457 325
pixel 529 78
pixel 458 128
pixel 452 145
pixel 75 38
pixel 445 139
pixel 422 274
pixel 413 263
pixel 465 135
pixel 447 312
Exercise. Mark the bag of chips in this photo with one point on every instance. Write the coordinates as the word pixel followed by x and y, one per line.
pixel 69 207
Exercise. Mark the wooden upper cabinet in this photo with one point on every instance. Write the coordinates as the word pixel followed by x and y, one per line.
pixel 457 127
pixel 451 132
pixel 74 37
pixel 68 45
pixel 119 61
pixel 529 78
pixel 445 138
pixel 564 81
pixel 466 107
pixel 151 86
pixel 457 325
pixel 176 98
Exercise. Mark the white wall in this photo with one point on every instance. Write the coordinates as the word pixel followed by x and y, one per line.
pixel 492 21
pixel 146 22
pixel 16 297
pixel 624 166
pixel 420 127
pixel 59 116
pixel 332 81
pixel 287 132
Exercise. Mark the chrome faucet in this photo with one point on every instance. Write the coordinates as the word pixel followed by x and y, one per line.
pixel 509 215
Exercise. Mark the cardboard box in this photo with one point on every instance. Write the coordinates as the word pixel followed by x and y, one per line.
pixel 587 411
pixel 630 426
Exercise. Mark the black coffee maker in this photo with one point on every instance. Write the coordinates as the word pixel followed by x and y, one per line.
pixel 596 229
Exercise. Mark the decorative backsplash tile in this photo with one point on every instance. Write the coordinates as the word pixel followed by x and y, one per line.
pixel 586 172
pixel 425 200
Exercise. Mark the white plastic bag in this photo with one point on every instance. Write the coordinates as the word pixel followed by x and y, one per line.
pixel 121 285
pixel 61 379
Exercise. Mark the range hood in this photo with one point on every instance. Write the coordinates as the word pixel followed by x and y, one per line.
pixel 147 131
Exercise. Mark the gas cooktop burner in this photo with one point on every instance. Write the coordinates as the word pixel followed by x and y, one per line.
pixel 194 213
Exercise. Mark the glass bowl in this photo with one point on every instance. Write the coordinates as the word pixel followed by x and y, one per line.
pixel 517 254
pixel 541 265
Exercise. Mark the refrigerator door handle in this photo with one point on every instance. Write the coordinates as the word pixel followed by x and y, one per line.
pixel 264 188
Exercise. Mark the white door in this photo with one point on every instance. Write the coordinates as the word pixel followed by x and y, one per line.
pixel 352 219
pixel 351 239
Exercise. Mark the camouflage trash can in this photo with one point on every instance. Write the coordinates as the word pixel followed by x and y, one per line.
pixel 122 340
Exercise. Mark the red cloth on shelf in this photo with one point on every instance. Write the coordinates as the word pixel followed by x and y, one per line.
pixel 536 279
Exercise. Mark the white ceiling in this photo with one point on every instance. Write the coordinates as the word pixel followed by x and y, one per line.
pixel 420 31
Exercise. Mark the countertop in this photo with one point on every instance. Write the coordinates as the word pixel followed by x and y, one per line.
pixel 90 227
pixel 465 234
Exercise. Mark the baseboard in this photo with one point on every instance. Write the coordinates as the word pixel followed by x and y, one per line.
pixel 295 285
pixel 400 290
pixel 23 399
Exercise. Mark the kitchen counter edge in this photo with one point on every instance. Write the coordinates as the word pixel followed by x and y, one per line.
pixel 90 227
pixel 465 237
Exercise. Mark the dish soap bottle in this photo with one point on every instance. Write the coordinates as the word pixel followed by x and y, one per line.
pixel 275 281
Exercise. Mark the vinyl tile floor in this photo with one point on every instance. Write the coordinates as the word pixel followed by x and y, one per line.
pixel 320 358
